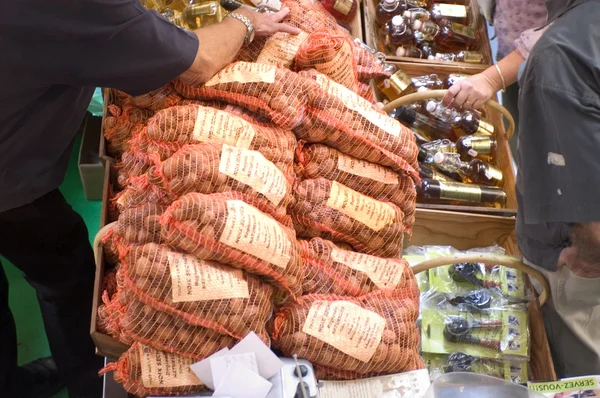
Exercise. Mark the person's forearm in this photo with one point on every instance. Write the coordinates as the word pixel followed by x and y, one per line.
pixel 509 67
pixel 218 46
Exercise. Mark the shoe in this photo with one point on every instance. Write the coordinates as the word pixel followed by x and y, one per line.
pixel 43 376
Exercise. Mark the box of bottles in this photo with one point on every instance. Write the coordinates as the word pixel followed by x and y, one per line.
pixel 429 31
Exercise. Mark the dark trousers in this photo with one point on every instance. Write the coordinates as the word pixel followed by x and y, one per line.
pixel 48 242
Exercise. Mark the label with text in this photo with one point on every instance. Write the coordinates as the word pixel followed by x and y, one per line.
pixel 162 370
pixel 362 168
pixel 193 279
pixel 244 72
pixel 219 127
pixel 385 273
pixel 373 213
pixel 253 232
pixel 340 69
pixel 452 10
pixel 281 49
pixel 353 330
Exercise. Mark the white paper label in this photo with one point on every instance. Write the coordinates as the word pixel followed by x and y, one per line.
pixel 403 385
pixel 244 72
pixel 358 104
pixel 252 232
pixel 161 369
pixel 219 127
pixel 452 10
pixel 251 168
pixel 373 213
pixel 193 279
pixel 385 274
pixel 362 168
pixel 347 327
pixel 281 49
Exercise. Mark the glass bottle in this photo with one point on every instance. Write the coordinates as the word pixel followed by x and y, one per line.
pixel 426 162
pixel 414 14
pixel 439 111
pixel 426 171
pixel 443 145
pixel 388 9
pixel 432 128
pixel 397 85
pixel 426 47
pixel 471 122
pixel 199 15
pixel 411 52
pixel 177 5
pixel 441 191
pixel 341 10
pixel 452 12
pixel 417 4
pixel 429 30
pixel 476 171
pixel 454 37
pixel 427 82
pixel 398 32
pixel 430 3
pixel 470 57
pixel 173 16
pixel 479 146
pixel 453 78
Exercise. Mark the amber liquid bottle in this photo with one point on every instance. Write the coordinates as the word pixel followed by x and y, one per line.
pixel 432 128
pixel 398 84
pixel 411 52
pixel 341 10
pixel 398 32
pixel 427 172
pixel 196 16
pixel 452 79
pixel 388 9
pixel 476 171
pixel 478 146
pixel 441 191
pixel 470 122
pixel 452 12
pixel 417 14
pixel 454 37
pixel 469 57
pixel 428 30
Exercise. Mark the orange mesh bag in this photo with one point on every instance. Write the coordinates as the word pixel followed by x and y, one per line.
pixel 119 127
pixel 344 120
pixel 144 371
pixel 365 91
pixel 161 98
pixel 139 225
pixel 111 207
pixel 275 93
pixel 378 182
pixel 330 210
pixel 172 128
pixel 201 293
pixel 331 270
pixel 310 16
pixel 223 228
pixel 372 333
pixel 325 373
pixel 331 55
pixel 214 168
pixel 368 66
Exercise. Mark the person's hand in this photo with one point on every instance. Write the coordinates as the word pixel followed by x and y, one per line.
pixel 471 92
pixel 267 24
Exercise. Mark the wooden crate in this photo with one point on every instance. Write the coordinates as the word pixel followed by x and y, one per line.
pixel 370 32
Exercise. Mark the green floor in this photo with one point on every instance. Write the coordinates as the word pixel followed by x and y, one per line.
pixel 30 329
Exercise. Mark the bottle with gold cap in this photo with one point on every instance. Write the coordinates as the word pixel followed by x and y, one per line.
pixel 476 171
pixel 478 146
pixel 436 191
pixel 397 85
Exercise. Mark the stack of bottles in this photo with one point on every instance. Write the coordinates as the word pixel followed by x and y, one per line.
pixel 430 29
pixel 473 316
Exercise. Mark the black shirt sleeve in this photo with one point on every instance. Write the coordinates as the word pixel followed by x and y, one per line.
pixel 119 44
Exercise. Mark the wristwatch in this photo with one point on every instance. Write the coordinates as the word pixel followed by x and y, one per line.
pixel 249 26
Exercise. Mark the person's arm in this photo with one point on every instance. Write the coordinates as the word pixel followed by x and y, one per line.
pixel 476 90
pixel 219 44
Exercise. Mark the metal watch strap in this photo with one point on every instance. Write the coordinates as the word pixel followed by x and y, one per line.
pixel 249 26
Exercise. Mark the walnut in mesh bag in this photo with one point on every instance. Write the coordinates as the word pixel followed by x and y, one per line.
pixel 161 98
pixel 333 211
pixel 378 182
pixel 168 130
pixel 202 293
pixel 140 225
pixel 121 125
pixel 144 371
pixel 342 119
pixel 373 333
pixel 275 93
pixel 332 270
pixel 223 228
pixel 214 168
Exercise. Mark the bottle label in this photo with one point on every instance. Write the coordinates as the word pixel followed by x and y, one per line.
pixel 362 168
pixel 193 279
pixel 343 6
pixel 452 10
pixel 493 173
pixel 400 81
pixel 250 231
pixel 351 329
pixel 253 169
pixel 463 30
pixel 472 57
pixel 385 273
pixel 163 370
pixel 461 192
pixel 485 128
pixel 220 127
pixel 481 145
pixel 281 49
pixel 244 72
pixel 368 211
